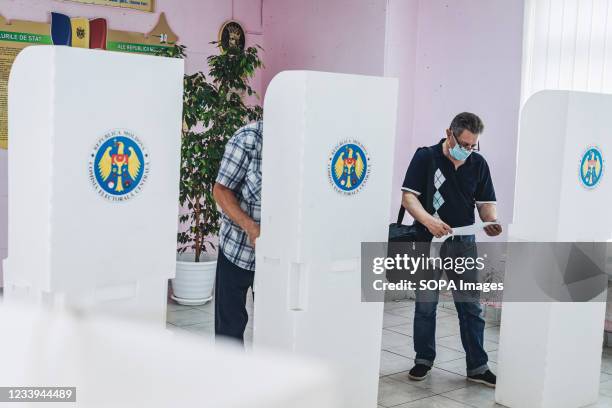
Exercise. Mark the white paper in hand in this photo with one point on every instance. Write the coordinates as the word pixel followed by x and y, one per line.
pixel 467 230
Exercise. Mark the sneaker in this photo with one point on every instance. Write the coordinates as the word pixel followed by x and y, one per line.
pixel 419 372
pixel 487 378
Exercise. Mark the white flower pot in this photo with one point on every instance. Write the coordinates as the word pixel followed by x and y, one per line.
pixel 195 281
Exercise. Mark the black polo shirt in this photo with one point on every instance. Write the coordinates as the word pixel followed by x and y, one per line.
pixel 456 192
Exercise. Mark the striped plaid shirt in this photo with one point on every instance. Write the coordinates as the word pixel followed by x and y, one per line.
pixel 240 171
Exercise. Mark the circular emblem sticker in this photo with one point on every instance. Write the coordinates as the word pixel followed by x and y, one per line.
pixel 591 167
pixel 118 165
pixel 349 167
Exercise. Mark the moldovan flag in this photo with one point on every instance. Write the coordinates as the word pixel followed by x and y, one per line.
pixel 61 29
pixel 97 34
pixel 80 32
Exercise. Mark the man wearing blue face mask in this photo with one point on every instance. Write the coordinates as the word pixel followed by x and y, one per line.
pixel 461 183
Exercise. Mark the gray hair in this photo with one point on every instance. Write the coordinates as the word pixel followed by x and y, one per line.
pixel 466 121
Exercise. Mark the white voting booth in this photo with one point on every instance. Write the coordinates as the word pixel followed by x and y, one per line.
pixel 550 352
pixel 124 364
pixel 93 179
pixel 327 172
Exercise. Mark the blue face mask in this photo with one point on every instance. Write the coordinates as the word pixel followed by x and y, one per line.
pixel 458 152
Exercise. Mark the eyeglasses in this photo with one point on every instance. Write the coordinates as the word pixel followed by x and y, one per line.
pixel 467 146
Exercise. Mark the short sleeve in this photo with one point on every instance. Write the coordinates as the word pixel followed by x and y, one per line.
pixel 485 193
pixel 416 175
pixel 234 163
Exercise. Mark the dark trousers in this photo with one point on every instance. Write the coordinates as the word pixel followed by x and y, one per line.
pixel 468 307
pixel 231 286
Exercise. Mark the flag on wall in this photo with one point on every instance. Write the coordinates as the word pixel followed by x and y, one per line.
pixel 61 29
pixel 97 34
pixel 80 32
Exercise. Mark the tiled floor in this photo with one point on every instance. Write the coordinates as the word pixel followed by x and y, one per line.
pixel 201 319
pixel 446 387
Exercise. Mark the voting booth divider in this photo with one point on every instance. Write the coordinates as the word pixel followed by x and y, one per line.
pixel 94 162
pixel 550 350
pixel 112 363
pixel 327 173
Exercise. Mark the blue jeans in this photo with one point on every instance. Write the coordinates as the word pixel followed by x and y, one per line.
pixel 468 307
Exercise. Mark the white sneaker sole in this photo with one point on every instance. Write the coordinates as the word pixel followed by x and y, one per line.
pixel 413 378
pixel 488 384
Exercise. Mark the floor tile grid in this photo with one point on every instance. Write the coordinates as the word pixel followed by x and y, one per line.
pixel 451 396
pixel 481 397
pixel 444 315
pixel 446 393
pixel 432 394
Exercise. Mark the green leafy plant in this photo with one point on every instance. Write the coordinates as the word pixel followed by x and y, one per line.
pixel 214 108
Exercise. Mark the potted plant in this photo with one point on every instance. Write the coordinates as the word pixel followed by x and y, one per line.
pixel 213 110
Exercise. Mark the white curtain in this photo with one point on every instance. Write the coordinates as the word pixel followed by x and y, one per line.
pixel 567 45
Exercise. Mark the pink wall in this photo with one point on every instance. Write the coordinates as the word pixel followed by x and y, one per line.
pixel 468 58
pixel 448 56
pixel 400 55
pixel 326 35
pixel 196 22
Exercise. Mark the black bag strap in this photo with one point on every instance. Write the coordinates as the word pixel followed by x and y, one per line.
pixel 429 187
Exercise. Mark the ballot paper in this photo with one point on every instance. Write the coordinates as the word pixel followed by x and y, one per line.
pixel 466 230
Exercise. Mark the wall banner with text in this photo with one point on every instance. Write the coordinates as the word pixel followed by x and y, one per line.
pixel 80 32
